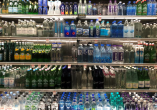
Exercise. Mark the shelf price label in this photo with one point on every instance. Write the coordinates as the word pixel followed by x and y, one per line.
pixel 32 65
pixel 45 66
pixel 95 41
pixel 69 66
pixel 54 92
pixel 39 66
pixel 85 66
pixel 81 15
pixel 47 40
pixel 99 18
pixel 155 67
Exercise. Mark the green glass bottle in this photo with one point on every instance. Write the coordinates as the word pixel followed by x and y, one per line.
pixel 45 79
pixel 23 7
pixel 28 79
pixel 128 79
pixel 141 80
pixel 139 8
pixel 27 6
pixel 58 78
pixel 34 79
pixel 20 7
pixel 134 79
pixel 40 79
pixel 144 7
pixel 35 53
pixel 47 55
pixel 1 78
pixel 15 7
pixel 41 51
pixel 152 54
pixel 146 54
pixel 35 8
pixel 10 7
pixel 146 79
pixel 51 79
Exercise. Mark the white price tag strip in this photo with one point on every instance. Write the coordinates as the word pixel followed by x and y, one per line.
pixel 155 67
pixel 69 65
pixel 95 41
pixel 47 40
pixel 54 93
pixel 32 66
pixel 139 42
pixel 45 66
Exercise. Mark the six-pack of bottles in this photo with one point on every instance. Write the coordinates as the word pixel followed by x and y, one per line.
pixel 73 8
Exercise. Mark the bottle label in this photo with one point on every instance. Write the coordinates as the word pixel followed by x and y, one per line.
pixel 85 32
pixel 121 54
pixel 11 82
pixel 45 83
pixel 6 82
pixel 67 30
pixel 19 8
pixel 115 56
pixel 28 56
pixel 91 31
pixel 131 31
pixel 128 85
pixel 126 30
pixel 15 9
pixel 34 85
pixel 90 52
pixel 27 82
pixel 146 57
pixel 75 9
pixel 97 30
pixel 79 31
pixel 135 85
pixel 16 56
pixel 147 83
pixel 39 83
pixel 141 84
pixel 10 9
pixel 22 55
pixel 139 9
pixel 51 82
pixel 70 12
pixel 80 52
pixel 73 32
pixel 145 9
pixel 62 10
pixel 66 11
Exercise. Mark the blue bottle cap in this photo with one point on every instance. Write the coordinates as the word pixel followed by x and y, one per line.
pixel 107 21
pixel 1 94
pixel 95 44
pixel 67 22
pixel 91 20
pixel 107 100
pixel 134 2
pixel 97 19
pixel 80 100
pixel 108 44
pixel 89 1
pixel 102 44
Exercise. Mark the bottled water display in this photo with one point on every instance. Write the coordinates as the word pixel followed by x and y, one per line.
pixel 78 77
pixel 76 100
pixel 58 27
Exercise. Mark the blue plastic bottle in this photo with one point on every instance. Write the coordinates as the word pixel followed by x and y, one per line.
pixel 114 29
pixel 45 3
pixel 67 30
pixel 72 29
pixel 129 8
pixel 153 7
pixel 124 9
pixel 109 53
pixel 40 10
pixel 120 8
pixel 94 9
pixel 90 53
pixel 134 8
pixel 120 29
pixel 80 53
pixel 96 53
pixel 45 10
pixel 149 7
pixel 62 8
pixel 103 54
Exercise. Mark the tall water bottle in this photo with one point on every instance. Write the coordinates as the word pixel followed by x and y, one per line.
pixel 80 7
pixel 72 29
pixel 103 54
pixel 126 29
pixel 110 8
pixel 109 53
pixel 102 29
pixel 85 53
pixel 97 29
pixel 120 8
pixel 91 29
pixel 120 54
pixel 89 8
pixel 80 53
pixel 129 8
pixel 56 27
pixel 120 29
pixel 131 29
pixel 134 8
pixel 87 105
pixel 96 53
pixel 90 53
pixel 114 29
pixel 124 9
pixel 95 12
pixel 81 105
pixel 107 29
pixel 79 29
pixel 85 29
pixel 115 8
pixel 153 7
pixel 149 7
pixel 67 30
pixel 115 54
pixel 74 105
pixel 61 28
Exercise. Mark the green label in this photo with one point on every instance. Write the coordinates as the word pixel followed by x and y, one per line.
pixel 93 108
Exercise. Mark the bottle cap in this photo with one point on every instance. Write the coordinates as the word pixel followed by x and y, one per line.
pixel 66 22
pixel 102 44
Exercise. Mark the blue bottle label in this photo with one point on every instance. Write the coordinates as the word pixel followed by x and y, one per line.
pixel 73 31
pixel 66 31
pixel 40 2
pixel 10 9
pixel 79 31
pixel 85 32
pixel 103 32
pixel 15 10
pixel 44 2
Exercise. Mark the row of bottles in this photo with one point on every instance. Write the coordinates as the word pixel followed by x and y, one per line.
pixel 78 77
pixel 76 100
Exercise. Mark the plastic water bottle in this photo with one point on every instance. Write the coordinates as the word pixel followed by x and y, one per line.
pixel 134 8
pixel 97 29
pixel 85 53
pixel 107 106
pixel 126 29
pixel 128 8
pixel 93 104
pixel 124 9
pixel 94 9
pixel 90 53
pixel 120 29
pixel 153 7
pixel 89 8
pixel 149 7
pixel 96 53
pixel 80 105
pixel 109 53
pixel 115 8
pixel 80 53
pixel 68 104
pixel 85 29
pixel 120 8
pixel 114 29
pixel 67 30
pixel 108 33
pixel 61 28
pixel 72 29
pixel 103 54
pixel 110 8
pixel 100 105
pixel 115 54
pixel 87 105
pixel 79 29
pixel 120 54
pixel 91 29
pixel 56 27
pixel 131 29
pixel 74 105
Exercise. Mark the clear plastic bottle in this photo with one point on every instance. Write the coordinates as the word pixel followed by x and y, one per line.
pixel 115 54
pixel 126 29
pixel 99 7
pixel 120 54
pixel 85 29
pixel 79 29
pixel 131 29
pixel 74 53
pixel 109 53
pixel 120 8
pixel 108 33
pixel 103 54
pixel 13 29
pixel 90 53
pixel 115 8
pixel 72 29
pixel 67 30
pixel 95 11
pixel 90 8
pixel 102 29
pixel 96 54
pixel 91 29
pixel 80 53
pixel 110 8
pixel 97 29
